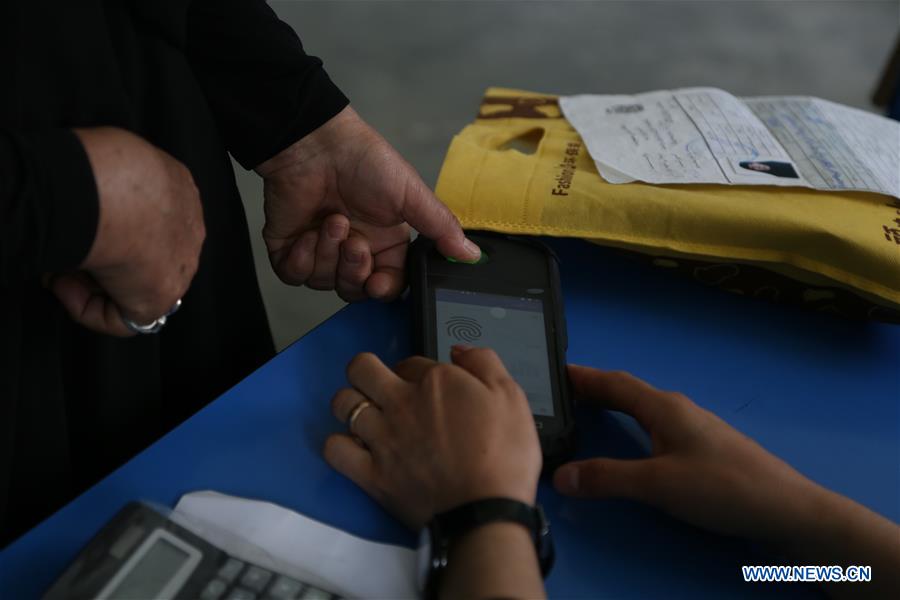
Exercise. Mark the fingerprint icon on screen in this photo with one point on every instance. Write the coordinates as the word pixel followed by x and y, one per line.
pixel 464 329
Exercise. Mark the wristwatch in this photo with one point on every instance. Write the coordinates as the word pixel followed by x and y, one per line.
pixel 445 528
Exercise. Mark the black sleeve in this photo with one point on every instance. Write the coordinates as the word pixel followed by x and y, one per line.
pixel 48 202
pixel 264 90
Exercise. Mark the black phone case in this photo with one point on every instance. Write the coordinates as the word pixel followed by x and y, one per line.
pixel 557 448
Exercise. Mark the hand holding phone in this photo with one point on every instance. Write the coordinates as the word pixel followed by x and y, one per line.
pixel 510 301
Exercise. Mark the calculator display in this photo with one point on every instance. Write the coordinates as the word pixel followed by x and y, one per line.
pixel 159 564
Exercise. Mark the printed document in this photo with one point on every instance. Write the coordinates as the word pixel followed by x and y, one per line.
pixel 706 135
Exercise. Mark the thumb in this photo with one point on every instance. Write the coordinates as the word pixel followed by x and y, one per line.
pixel 88 305
pixel 604 478
pixel 431 217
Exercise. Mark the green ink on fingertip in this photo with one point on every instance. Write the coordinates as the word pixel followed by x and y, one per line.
pixel 479 261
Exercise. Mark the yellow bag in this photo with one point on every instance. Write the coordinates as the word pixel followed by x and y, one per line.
pixel 521 168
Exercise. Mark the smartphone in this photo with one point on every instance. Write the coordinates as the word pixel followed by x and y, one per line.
pixel 510 301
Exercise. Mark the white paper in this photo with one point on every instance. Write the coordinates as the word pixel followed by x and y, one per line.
pixel 835 147
pixel 276 538
pixel 706 135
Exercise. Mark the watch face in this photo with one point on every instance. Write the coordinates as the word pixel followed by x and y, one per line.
pixel 423 558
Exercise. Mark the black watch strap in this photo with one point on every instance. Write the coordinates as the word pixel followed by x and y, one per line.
pixel 455 522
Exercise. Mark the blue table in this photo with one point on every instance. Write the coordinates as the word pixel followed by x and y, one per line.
pixel 821 392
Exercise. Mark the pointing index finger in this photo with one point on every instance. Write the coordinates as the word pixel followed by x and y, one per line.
pixel 431 217
pixel 483 363
pixel 616 390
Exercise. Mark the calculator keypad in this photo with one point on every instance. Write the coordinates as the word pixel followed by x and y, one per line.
pixel 236 580
pixel 285 588
pixel 230 569
pixel 213 590
pixel 311 593
pixel 255 579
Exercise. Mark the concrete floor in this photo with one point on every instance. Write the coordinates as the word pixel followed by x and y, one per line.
pixel 416 70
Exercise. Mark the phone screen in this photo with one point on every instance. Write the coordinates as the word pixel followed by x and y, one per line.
pixel 512 326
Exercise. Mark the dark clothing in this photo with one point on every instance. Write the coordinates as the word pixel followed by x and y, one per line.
pixel 196 79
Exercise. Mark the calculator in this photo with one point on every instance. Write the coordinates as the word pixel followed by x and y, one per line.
pixel 141 554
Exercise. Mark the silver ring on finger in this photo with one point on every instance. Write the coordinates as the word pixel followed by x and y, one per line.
pixel 354 414
pixel 155 325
